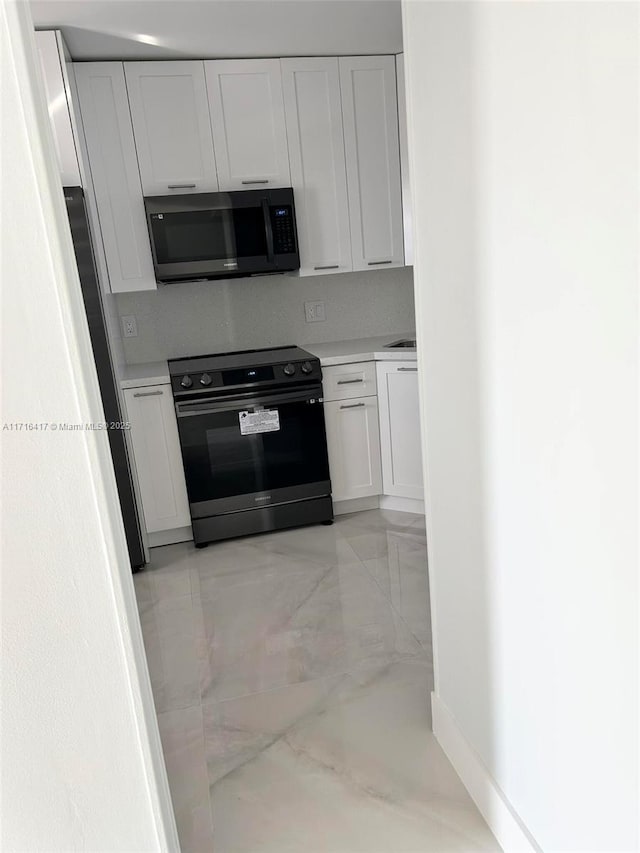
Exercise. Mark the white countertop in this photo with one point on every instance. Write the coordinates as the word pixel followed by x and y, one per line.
pixel 336 352
pixel 364 349
pixel 150 373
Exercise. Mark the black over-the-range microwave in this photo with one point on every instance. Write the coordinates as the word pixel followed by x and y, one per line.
pixel 222 235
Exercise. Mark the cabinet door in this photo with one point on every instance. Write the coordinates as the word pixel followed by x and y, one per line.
pixel 156 450
pixel 247 116
pixel 111 150
pixel 353 442
pixel 370 111
pixel 407 217
pixel 171 126
pixel 316 152
pixel 400 438
pixel 51 53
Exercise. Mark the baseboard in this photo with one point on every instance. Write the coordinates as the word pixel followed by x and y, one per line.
pixel 355 505
pixel 401 504
pixel 170 537
pixel 502 820
pixel 379 502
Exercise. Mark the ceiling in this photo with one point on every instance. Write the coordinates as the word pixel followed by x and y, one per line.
pixel 170 29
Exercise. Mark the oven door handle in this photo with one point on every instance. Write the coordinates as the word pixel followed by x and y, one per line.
pixel 249 401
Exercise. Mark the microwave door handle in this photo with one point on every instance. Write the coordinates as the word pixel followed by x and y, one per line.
pixel 269 231
pixel 230 236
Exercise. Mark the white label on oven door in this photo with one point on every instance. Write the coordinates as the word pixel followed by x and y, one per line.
pixel 266 420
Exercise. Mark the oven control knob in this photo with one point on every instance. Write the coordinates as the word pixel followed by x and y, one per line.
pixel 205 379
pixel 186 382
pixel 289 369
pixel 306 367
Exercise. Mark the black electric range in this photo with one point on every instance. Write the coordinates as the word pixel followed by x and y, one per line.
pixel 253 441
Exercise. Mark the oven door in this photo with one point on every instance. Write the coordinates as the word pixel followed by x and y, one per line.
pixel 245 452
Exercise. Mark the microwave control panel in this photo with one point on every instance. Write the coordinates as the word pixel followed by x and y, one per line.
pixel 282 226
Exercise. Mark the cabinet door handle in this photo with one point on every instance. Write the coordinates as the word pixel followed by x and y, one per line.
pixel 349 381
pixel 181 186
pixel 378 263
pixel 148 393
pixel 354 406
pixel 328 267
pixel 408 369
pixel 263 181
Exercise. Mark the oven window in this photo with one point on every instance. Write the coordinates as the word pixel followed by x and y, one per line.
pixel 203 235
pixel 221 462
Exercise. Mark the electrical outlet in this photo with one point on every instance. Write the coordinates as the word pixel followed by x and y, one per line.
pixel 129 326
pixel 314 312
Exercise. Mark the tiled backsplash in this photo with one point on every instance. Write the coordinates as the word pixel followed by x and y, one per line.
pixel 215 316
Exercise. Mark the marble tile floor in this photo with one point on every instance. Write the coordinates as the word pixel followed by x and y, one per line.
pixel 292 674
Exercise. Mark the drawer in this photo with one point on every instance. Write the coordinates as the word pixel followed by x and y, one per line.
pixel 345 381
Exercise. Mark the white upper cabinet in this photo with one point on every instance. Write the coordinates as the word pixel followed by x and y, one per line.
pixel 247 116
pixel 316 153
pixel 52 65
pixel 407 216
pixel 111 150
pixel 171 126
pixel 370 111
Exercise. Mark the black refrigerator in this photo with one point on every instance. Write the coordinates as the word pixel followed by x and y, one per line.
pixel 92 295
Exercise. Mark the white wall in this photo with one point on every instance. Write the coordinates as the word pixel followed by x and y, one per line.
pixel 523 135
pixel 81 762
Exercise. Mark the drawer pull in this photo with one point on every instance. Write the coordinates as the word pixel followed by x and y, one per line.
pixel 378 263
pixel 328 267
pixel 408 369
pixel 349 381
pixel 148 393
pixel 264 181
pixel 181 186
pixel 354 406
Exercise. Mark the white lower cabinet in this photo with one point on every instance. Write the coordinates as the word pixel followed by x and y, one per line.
pixel 400 439
pixel 353 442
pixel 156 449
pixel 374 439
